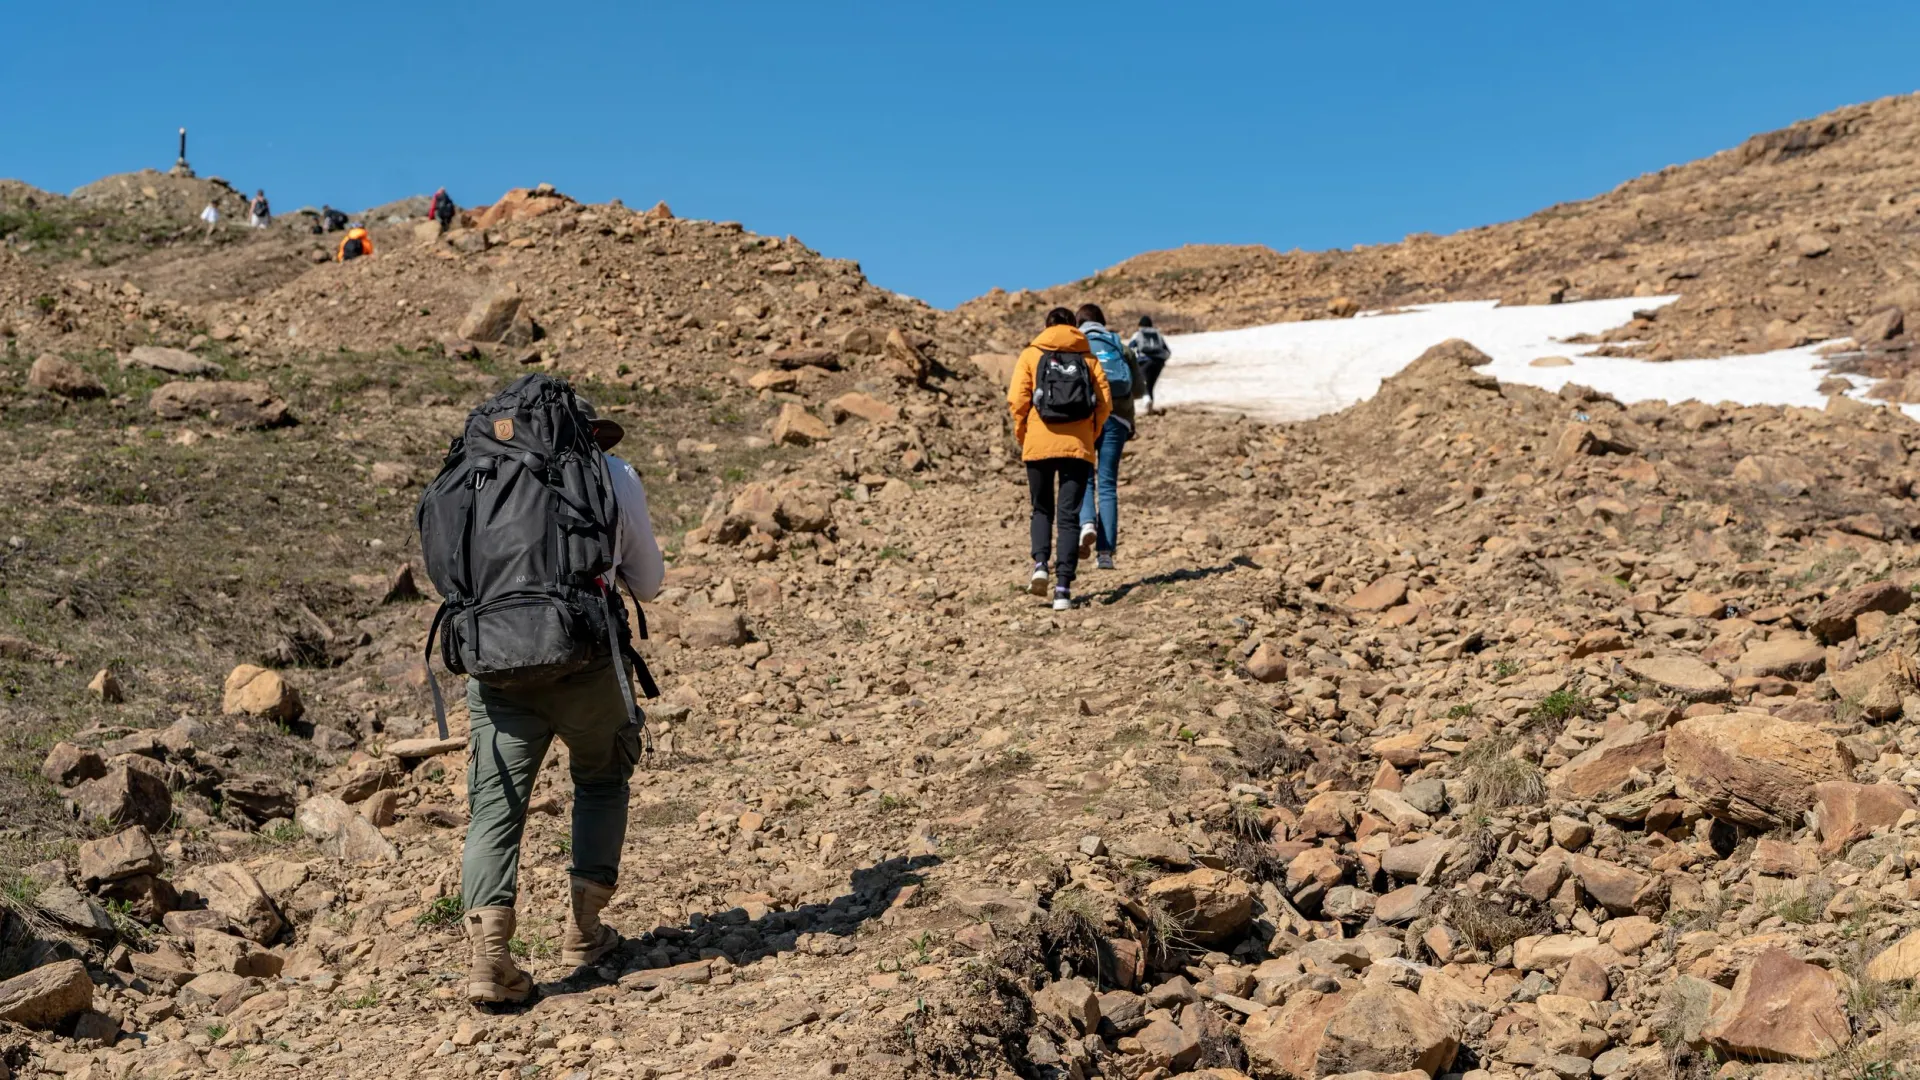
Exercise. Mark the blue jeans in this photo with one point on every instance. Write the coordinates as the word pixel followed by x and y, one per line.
pixel 1106 479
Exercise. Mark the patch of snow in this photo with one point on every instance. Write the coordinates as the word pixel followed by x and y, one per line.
pixel 1296 371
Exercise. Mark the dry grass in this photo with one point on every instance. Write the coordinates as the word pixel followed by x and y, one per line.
pixel 1492 927
pixel 1497 779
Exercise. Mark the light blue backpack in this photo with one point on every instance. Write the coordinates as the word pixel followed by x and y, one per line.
pixel 1106 348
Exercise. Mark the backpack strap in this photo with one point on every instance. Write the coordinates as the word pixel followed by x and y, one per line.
pixel 426 663
pixel 624 654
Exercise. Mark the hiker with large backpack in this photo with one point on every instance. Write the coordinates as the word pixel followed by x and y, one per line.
pixel 356 243
pixel 1151 347
pixel 1060 400
pixel 1100 505
pixel 527 532
pixel 441 209
pixel 259 213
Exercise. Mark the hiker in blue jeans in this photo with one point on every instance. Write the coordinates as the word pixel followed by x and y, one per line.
pixel 1100 506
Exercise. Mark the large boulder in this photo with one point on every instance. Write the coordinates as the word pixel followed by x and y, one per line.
pixel 230 890
pixel 1609 763
pixel 256 691
pixel 1782 1009
pixel 1382 594
pixel 343 833
pixel 1900 962
pixel 47 995
pixel 1792 657
pixel 63 378
pixel 1780 474
pixel 713 628
pixel 492 315
pixel 260 797
pixel 125 796
pixel 67 765
pixel 235 404
pixel 1284 1042
pixel 125 854
pixel 1386 1029
pixel 1752 769
pixel 795 426
pixel 1684 677
pixel 172 361
pixel 1211 905
pixel 1834 621
pixel 1845 811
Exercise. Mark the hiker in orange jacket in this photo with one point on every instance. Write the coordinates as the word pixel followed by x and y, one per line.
pixel 356 243
pixel 1060 400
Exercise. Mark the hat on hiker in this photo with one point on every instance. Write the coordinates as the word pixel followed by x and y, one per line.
pixel 607 433
pixel 1146 320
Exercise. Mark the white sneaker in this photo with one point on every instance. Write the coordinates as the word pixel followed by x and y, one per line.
pixel 1037 584
pixel 1062 599
pixel 1087 540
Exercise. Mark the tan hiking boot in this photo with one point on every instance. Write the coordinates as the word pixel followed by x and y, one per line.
pixel 588 939
pixel 493 977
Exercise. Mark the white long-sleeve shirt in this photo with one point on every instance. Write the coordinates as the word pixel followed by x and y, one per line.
pixel 636 554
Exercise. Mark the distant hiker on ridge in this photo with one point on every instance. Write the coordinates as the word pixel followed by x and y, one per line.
pixel 1060 401
pixel 528 531
pixel 356 243
pixel 1152 349
pixel 1100 513
pixel 261 215
pixel 211 215
pixel 441 209
pixel 331 220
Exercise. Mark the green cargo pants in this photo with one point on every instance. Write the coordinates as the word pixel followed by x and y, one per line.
pixel 510 734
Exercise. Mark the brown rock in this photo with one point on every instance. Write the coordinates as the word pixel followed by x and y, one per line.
pixel 1834 621
pixel 1900 962
pixel 1384 593
pixel 1071 1003
pixel 1796 658
pixel 1585 978
pixel 864 406
pixel 1212 905
pixel 236 404
pixel 1753 769
pixel 257 691
pixel 1883 325
pixel 46 995
pixel 379 808
pixel 1683 676
pixel 124 854
pixel 258 796
pixel 795 426
pixel 343 833
pixel 1613 886
pixel 1845 811
pixel 1778 474
pixel 67 765
pixel 1386 1029
pixel 1782 1008
pixel 172 361
pixel 1267 664
pixel 1778 857
pixel 997 367
pixel 1608 764
pixel 1285 1041
pixel 363 778
pixel 1167 1045
pixel 714 628
pixel 63 378
pixel 125 796
pixel 230 890
pixel 492 315
pixel 904 359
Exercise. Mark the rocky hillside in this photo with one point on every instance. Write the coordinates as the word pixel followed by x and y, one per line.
pixel 1796 235
pixel 1476 731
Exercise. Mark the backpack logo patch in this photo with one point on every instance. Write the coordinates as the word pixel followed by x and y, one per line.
pixel 503 429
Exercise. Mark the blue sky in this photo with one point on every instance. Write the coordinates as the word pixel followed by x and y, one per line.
pixel 948 147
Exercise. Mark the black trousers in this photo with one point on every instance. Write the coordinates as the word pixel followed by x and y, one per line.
pixel 1059 516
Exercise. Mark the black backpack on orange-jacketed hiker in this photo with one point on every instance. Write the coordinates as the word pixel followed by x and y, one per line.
pixel 517 533
pixel 1063 387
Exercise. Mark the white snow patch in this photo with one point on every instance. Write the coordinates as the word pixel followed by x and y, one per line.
pixel 1296 371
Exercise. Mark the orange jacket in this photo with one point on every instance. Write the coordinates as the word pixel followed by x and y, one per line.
pixel 366 244
pixel 1040 440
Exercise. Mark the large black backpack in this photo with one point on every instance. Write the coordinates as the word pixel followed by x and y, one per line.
pixel 352 249
pixel 517 533
pixel 1062 387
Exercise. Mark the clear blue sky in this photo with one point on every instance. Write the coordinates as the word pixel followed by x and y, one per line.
pixel 950 147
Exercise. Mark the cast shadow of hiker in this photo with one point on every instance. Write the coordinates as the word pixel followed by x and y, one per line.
pixel 741 939
pixel 1122 591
